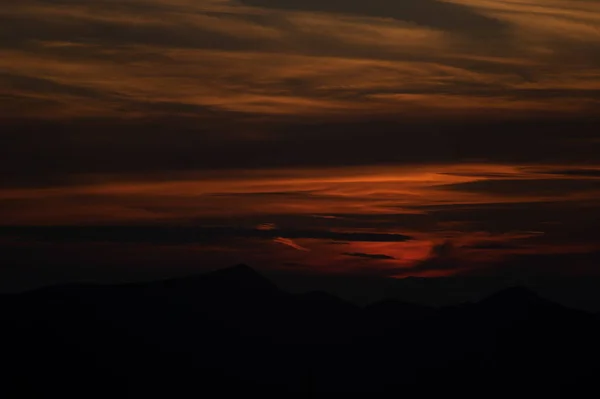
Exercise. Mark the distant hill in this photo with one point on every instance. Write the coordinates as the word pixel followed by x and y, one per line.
pixel 233 333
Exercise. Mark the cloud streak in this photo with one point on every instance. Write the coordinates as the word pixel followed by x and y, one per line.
pixel 285 58
pixel 290 243
pixel 181 235
pixel 179 127
pixel 369 256
pixel 432 13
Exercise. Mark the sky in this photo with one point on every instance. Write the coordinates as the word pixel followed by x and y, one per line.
pixel 372 138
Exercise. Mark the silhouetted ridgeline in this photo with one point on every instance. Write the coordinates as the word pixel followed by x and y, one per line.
pixel 232 332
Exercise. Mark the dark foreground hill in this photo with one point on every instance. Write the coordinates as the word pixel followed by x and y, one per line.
pixel 232 333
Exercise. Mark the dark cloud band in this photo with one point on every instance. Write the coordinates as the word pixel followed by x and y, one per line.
pixel 179 235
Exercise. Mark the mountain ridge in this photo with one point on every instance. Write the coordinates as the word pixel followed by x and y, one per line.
pixel 210 333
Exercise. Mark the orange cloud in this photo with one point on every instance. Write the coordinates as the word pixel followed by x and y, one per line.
pixel 366 190
pixel 270 78
pixel 192 58
pixel 290 243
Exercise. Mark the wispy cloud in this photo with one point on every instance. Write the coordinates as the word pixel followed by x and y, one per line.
pixel 287 58
pixel 406 123
pixel 290 243
pixel 266 226
pixel 369 256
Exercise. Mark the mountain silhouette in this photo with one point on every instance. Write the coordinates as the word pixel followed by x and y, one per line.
pixel 236 284
pixel 515 297
pixel 233 332
pixel 236 279
pixel 404 310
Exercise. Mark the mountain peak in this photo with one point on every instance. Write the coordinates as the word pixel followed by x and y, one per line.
pixel 239 268
pixel 237 281
pixel 238 271
pixel 241 277
pixel 519 292
pixel 517 296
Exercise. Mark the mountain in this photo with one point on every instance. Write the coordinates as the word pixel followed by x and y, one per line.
pixel 394 316
pixel 233 332
pixel 520 305
pixel 516 298
pixel 516 303
pixel 393 308
pixel 580 292
pixel 238 280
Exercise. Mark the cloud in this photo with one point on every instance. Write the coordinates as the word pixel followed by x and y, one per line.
pixel 290 243
pixel 48 152
pixel 491 245
pixel 444 257
pixel 444 250
pixel 180 235
pixel 524 187
pixel 568 220
pixel 369 256
pixel 577 172
pixel 457 121
pixel 153 57
pixel 266 226
pixel 37 85
pixel 432 13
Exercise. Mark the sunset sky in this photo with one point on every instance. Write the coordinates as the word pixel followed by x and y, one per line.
pixel 374 137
